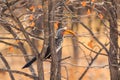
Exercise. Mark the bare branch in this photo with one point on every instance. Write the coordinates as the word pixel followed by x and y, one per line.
pixel 18 72
pixel 7 66
pixel 9 29
pixel 91 49
pixel 86 27
pixel 10 44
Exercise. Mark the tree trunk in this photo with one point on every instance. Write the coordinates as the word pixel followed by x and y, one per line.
pixel 75 43
pixel 59 53
pixel 113 50
pixel 45 44
pixel 54 58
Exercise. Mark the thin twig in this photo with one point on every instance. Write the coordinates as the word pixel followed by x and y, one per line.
pixel 91 49
pixel 18 72
pixel 10 44
pixel 76 65
pixel 8 38
pixel 87 28
pixel 67 78
pixel 8 28
pixel 93 59
pixel 7 66
pixel 65 58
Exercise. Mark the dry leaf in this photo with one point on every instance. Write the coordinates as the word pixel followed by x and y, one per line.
pixel 11 48
pixel 88 12
pixel 90 44
pixel 32 8
pixel 56 25
pixel 83 3
pixel 32 24
pixel 31 17
pixel 17 41
pixel 100 16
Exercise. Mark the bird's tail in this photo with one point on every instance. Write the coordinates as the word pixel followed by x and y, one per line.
pixel 29 63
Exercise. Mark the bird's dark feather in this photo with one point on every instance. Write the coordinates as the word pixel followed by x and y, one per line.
pixel 58 41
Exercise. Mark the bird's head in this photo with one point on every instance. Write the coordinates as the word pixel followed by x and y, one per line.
pixel 60 32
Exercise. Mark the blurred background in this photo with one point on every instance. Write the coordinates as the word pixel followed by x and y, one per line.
pixel 85 58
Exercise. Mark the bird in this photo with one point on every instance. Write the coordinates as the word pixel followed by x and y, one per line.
pixel 58 41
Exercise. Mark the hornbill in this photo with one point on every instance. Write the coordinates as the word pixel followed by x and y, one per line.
pixel 58 41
